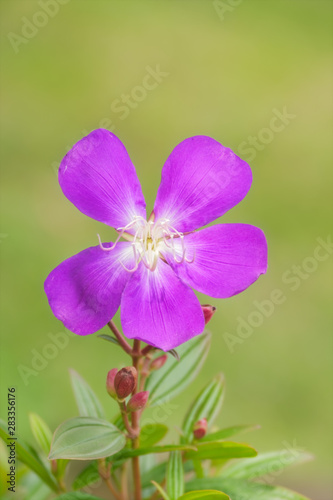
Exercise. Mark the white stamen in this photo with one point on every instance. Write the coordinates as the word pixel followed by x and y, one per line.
pixel 149 241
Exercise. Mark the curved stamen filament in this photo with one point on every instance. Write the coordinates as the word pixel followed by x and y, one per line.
pixel 146 242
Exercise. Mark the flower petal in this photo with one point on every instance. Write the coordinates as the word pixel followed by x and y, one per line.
pixel 98 177
pixel 84 291
pixel 159 309
pixel 201 180
pixel 228 258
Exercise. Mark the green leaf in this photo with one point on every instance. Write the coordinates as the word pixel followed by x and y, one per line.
pixel 108 338
pixel 152 434
pixel 29 457
pixel 129 453
pixel 175 375
pixel 244 490
pixel 158 473
pixel 207 494
pixel 77 495
pixel 220 449
pixel 266 463
pixel 228 432
pixel 175 475
pixel 86 400
pixel 34 488
pixel 86 438
pixel 207 405
pixel 41 432
pixel 90 474
pixel 87 476
pixel 160 490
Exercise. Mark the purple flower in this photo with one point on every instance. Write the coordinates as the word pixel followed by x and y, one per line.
pixel 152 273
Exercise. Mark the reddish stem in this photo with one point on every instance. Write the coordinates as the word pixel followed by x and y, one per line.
pixel 136 354
pixel 124 344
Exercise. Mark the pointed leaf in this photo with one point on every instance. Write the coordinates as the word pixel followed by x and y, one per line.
pixel 175 354
pixel 160 490
pixel 175 476
pixel 86 438
pixel 265 463
pixel 206 494
pixel 29 457
pixel 77 495
pixel 86 400
pixel 220 449
pixel 175 375
pixel 87 476
pixel 34 487
pixel 41 432
pixel 113 340
pixel 129 453
pixel 229 432
pixel 90 474
pixel 152 434
pixel 244 490
pixel 206 405
pixel 158 473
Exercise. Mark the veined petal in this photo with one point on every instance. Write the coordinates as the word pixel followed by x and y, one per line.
pixel 98 177
pixel 84 291
pixel 159 309
pixel 201 180
pixel 228 258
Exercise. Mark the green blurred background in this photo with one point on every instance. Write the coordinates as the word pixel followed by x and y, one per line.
pixel 226 70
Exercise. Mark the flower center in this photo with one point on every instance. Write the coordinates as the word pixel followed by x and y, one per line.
pixel 150 240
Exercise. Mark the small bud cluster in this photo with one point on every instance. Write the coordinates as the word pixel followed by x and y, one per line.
pixel 120 384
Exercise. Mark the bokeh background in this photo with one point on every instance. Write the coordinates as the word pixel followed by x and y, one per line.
pixel 228 69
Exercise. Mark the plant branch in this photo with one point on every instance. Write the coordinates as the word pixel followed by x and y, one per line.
pixel 132 434
pixel 123 343
pixel 136 354
pixel 104 472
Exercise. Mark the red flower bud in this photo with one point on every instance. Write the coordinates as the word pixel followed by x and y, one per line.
pixel 110 382
pixel 200 428
pixel 138 401
pixel 157 363
pixel 208 312
pixel 125 382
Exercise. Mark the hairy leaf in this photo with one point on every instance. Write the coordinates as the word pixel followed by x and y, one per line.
pixel 206 494
pixel 86 400
pixel 206 405
pixel 175 375
pixel 229 432
pixel 29 457
pixel 41 432
pixel 86 438
pixel 244 490
pixel 175 476
pixel 220 449
pixel 266 464
pixel 152 434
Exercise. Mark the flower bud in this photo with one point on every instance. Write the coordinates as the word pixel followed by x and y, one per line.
pixel 200 428
pixel 157 363
pixel 110 382
pixel 125 382
pixel 208 312
pixel 138 401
